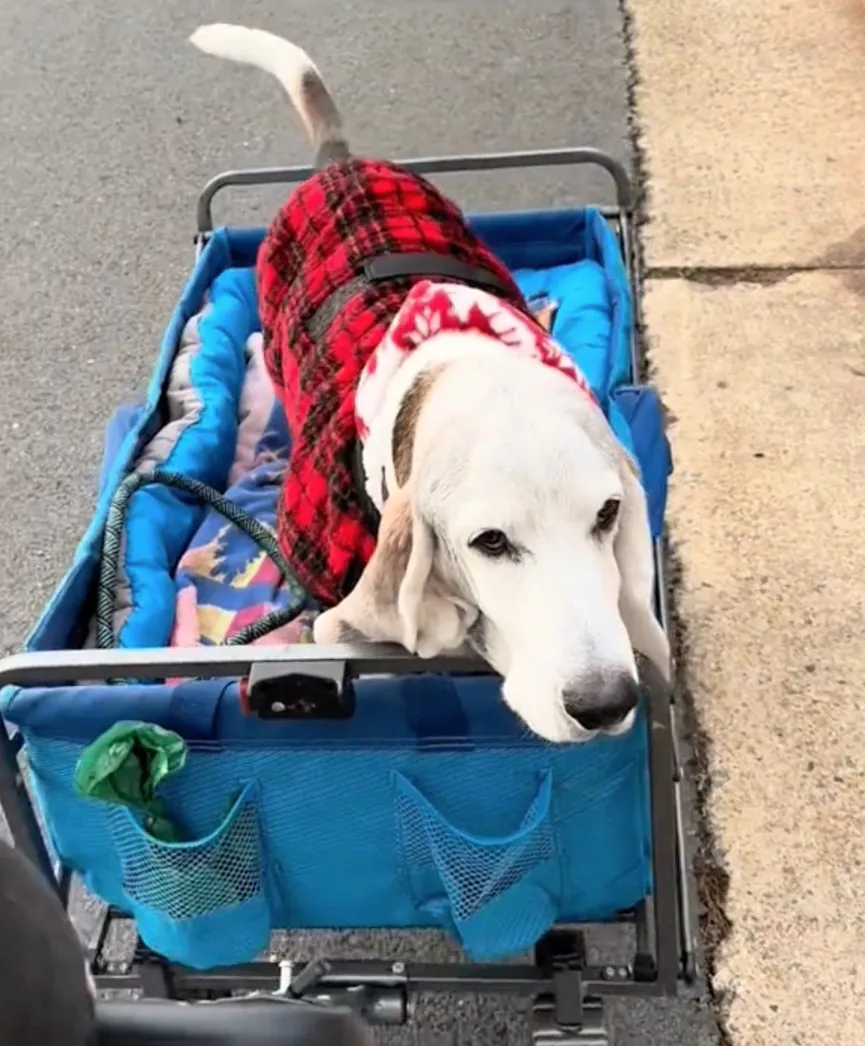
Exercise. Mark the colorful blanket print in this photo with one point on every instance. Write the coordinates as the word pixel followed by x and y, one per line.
pixel 225 581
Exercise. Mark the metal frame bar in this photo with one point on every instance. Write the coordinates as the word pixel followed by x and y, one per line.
pixel 666 933
pixel 66 667
pixel 17 806
pixel 427 165
pixel 525 979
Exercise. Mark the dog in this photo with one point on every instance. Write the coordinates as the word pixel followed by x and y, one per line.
pixel 505 514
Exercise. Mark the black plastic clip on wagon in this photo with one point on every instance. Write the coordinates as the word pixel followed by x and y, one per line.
pixel 289 787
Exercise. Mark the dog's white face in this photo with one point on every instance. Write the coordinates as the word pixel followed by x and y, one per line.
pixel 522 529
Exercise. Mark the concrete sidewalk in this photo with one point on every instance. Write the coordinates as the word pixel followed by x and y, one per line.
pixel 752 121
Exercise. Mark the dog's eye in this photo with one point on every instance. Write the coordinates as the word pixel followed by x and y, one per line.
pixel 607 516
pixel 492 543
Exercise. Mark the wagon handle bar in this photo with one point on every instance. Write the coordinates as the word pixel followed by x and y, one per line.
pixel 52 667
pixel 427 165
pixel 43 668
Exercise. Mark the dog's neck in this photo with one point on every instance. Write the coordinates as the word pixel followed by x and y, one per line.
pixel 437 325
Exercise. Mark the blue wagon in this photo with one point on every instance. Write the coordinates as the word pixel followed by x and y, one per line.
pixel 304 787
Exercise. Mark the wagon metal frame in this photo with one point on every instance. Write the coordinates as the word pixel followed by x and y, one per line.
pixel 563 991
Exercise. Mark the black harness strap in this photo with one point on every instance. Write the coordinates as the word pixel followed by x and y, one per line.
pixel 396 267
pixel 431 265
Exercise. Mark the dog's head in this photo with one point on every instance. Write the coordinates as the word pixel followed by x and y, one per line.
pixel 520 526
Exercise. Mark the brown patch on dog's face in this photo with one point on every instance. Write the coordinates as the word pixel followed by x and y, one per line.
pixel 402 440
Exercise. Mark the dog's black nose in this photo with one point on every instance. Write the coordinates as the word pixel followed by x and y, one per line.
pixel 605 705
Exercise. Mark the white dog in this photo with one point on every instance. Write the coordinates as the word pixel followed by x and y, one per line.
pixel 511 517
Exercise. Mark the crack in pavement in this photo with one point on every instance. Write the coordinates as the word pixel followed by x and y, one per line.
pixel 734 275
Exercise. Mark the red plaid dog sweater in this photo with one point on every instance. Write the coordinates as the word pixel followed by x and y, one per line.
pixel 322 320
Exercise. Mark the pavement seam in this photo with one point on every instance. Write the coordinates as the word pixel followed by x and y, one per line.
pixel 740 275
pixel 711 876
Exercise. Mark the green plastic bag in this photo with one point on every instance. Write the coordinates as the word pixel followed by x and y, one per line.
pixel 126 765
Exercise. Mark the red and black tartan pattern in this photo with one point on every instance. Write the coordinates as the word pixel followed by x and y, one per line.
pixel 342 217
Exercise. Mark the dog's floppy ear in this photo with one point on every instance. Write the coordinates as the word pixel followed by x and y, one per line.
pixel 399 598
pixel 634 555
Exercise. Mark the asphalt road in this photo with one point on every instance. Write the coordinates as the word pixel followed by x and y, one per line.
pixel 110 125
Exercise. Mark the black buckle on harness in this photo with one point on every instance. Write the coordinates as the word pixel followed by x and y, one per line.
pixel 430 265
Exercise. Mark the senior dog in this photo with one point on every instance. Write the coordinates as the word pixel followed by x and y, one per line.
pixel 452 478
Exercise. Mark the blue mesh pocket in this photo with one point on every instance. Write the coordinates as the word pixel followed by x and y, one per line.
pixel 201 903
pixel 498 894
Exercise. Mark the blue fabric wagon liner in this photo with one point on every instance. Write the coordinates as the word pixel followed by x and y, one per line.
pixel 431 806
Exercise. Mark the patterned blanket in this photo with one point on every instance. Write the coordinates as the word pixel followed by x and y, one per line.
pixel 225 581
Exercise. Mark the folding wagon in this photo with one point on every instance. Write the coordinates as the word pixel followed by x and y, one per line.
pixel 210 791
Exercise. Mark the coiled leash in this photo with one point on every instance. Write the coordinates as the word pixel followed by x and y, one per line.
pixel 257 532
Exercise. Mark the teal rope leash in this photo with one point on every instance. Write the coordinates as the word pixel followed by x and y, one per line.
pixel 112 539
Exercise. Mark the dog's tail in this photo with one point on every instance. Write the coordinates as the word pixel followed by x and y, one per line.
pixel 294 69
